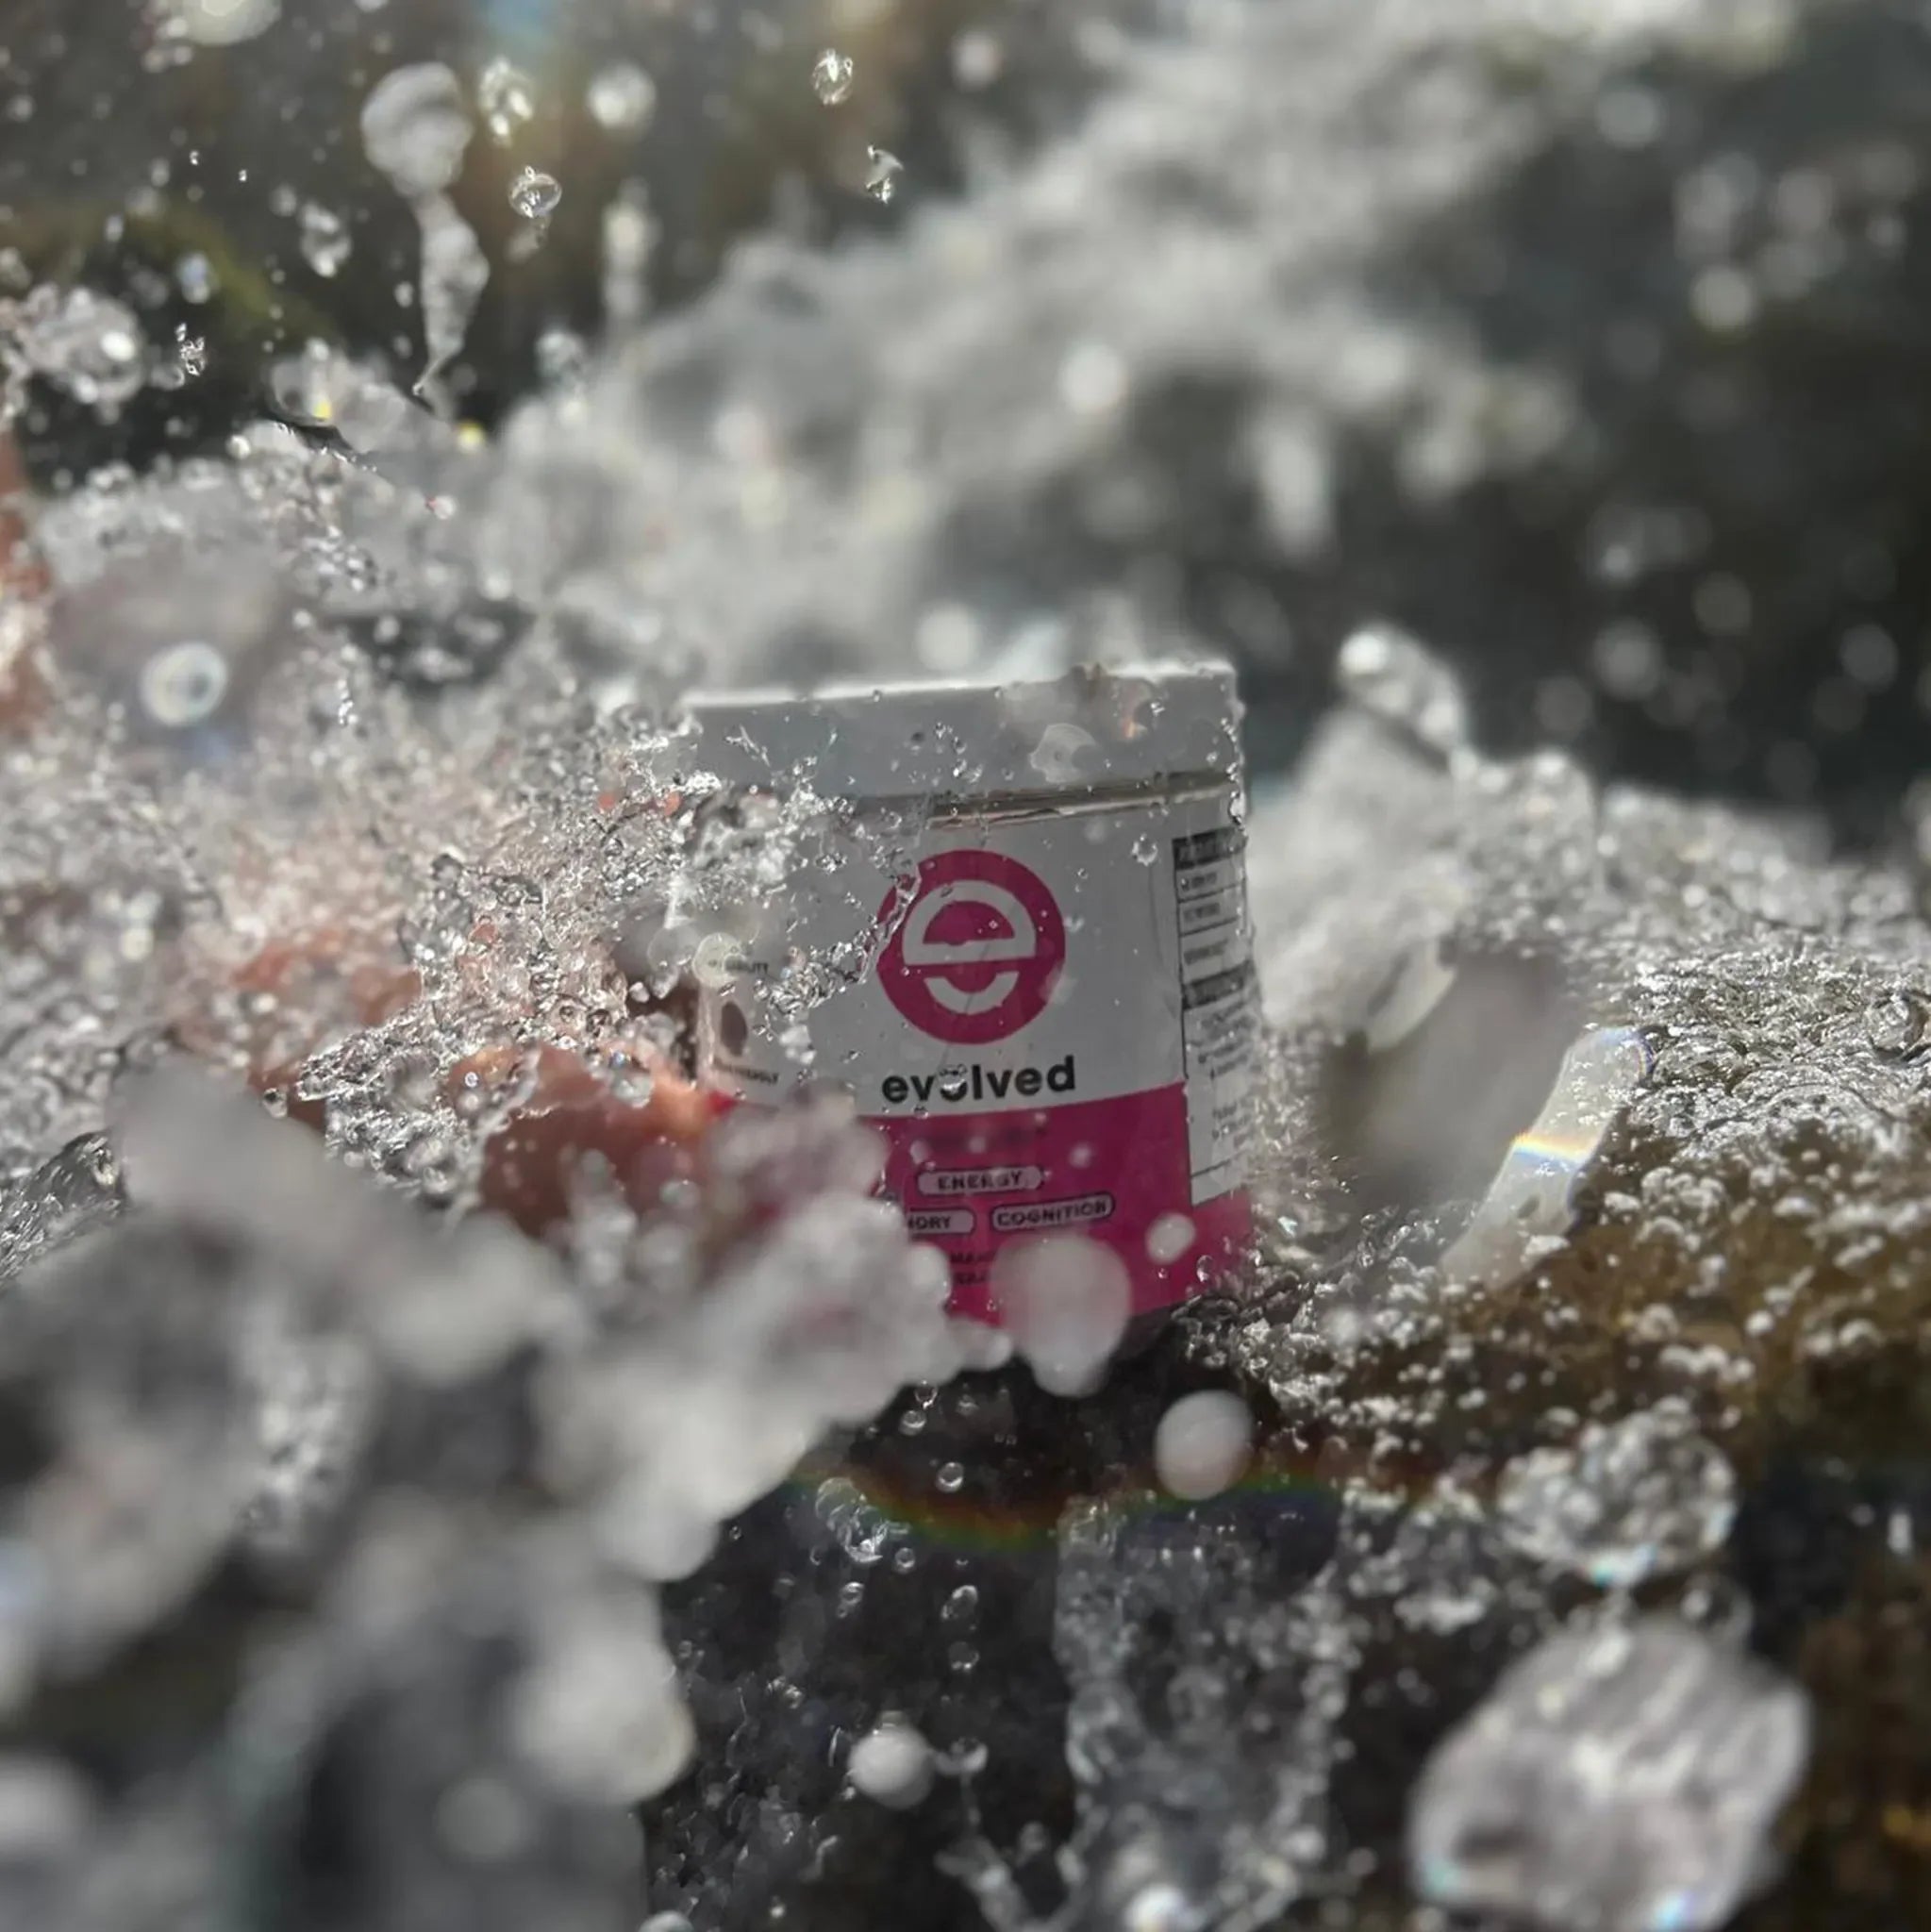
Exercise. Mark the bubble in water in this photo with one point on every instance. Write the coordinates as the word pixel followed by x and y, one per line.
pixel 1065 1300
pixel 415 128
pixel 184 685
pixel 622 98
pixel 1202 1445
pixel 882 172
pixel 892 1765
pixel 950 1478
pixel 535 196
pixel 831 77
pixel 1895 1023
pixel 325 239
pixel 1632 1499
pixel 509 99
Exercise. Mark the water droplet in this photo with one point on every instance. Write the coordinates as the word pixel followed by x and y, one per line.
pixel 325 239
pixel 415 128
pixel 1168 1238
pixel 892 1765
pixel 1093 379
pixel 1895 1023
pixel 1202 1445
pixel 562 359
pixel 87 344
pixel 195 278
pixel 977 58
pixel 507 97
pixel 832 75
pixel 535 196
pixel 622 98
pixel 455 272
pixel 950 1478
pixel 1065 1300
pixel 218 23
pixel 191 352
pixel 184 685
pixel 882 172
pixel 629 234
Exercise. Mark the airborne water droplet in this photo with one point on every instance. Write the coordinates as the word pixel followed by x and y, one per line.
pixel 562 358
pixel 88 346
pixel 621 98
pixel 535 196
pixel 219 22
pixel 415 128
pixel 831 76
pixel 509 99
pixel 1066 1300
pixel 892 1765
pixel 455 271
pixel 195 278
pixel 883 171
pixel 324 240
pixel 1202 1445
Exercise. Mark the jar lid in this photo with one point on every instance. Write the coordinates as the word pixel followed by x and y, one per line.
pixel 949 740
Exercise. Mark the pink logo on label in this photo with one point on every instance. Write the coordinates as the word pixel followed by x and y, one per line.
pixel 974 956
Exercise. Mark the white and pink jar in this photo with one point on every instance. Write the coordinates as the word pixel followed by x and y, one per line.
pixel 1043 997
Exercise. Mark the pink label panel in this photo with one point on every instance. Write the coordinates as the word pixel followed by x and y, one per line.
pixel 1107 1169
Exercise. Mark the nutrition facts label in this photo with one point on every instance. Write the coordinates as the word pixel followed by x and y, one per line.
pixel 1220 1020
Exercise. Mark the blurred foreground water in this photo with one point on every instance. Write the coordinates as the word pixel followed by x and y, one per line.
pixel 427 1433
